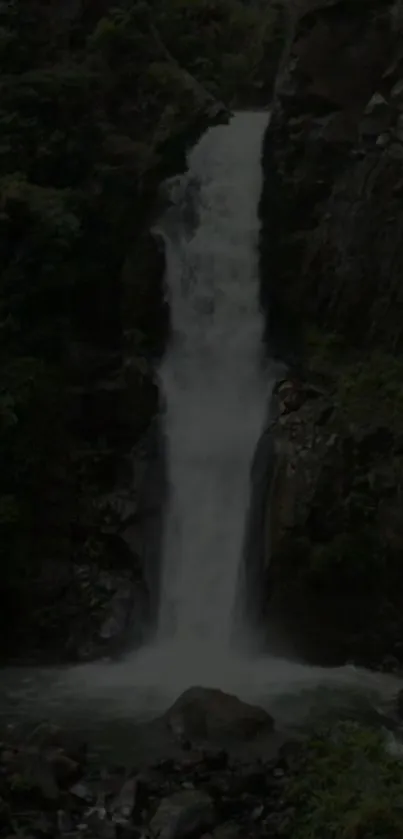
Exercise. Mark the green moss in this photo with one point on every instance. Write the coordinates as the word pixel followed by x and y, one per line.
pixel 344 785
pixel 377 379
pixel 365 388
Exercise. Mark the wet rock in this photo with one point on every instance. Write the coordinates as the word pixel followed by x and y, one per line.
pixel 229 830
pixel 252 779
pixel 376 103
pixel 399 704
pixel 45 735
pixel 205 714
pixel 65 770
pixel 215 759
pixel 119 609
pixel 82 792
pixel 125 802
pixel 257 813
pixel 64 822
pixel 188 813
pixel 291 396
pixel 37 773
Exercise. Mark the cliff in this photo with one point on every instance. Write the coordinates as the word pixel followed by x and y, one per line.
pixel 99 104
pixel 332 260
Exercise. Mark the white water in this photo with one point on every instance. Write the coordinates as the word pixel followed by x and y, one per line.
pixel 216 394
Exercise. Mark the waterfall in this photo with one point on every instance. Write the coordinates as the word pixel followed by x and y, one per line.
pixel 215 392
pixel 211 378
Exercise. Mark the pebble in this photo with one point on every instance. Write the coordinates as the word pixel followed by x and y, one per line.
pixel 230 799
pixel 82 792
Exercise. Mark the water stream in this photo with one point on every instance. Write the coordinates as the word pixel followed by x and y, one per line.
pixel 212 378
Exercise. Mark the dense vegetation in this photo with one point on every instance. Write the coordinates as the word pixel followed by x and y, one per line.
pixel 98 103
pixel 344 784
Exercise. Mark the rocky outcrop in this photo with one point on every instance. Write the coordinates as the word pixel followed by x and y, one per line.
pixel 332 260
pixel 335 535
pixel 204 714
pixel 331 209
pixel 54 788
pixel 49 787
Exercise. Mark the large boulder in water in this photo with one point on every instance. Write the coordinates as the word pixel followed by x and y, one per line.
pixel 207 714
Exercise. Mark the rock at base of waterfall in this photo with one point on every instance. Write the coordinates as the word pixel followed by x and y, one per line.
pixel 188 813
pixel 206 714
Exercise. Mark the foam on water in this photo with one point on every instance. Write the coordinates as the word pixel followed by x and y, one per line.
pixel 149 681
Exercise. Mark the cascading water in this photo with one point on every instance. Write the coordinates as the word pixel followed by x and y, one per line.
pixel 212 379
pixel 216 394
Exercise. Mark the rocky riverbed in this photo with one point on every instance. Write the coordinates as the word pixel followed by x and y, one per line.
pixel 53 785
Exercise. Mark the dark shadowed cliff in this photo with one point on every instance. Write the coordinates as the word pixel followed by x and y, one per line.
pixel 332 263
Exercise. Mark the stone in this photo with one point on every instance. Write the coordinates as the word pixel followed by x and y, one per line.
pixel 65 769
pixel 383 140
pixel 125 801
pixel 214 759
pixel 376 103
pixel 257 813
pixel 82 792
pixel 187 813
pixel 44 735
pixel 38 774
pixel 399 704
pixel 376 124
pixel 397 90
pixel 395 151
pixel 119 610
pixel 207 714
pixel 228 830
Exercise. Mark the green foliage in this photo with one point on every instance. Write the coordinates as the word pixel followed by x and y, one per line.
pixel 374 383
pixel 345 785
pixel 95 109
pixel 378 378
pixel 224 43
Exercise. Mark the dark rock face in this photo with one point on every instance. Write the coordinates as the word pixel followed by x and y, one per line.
pixel 331 211
pixel 335 531
pixel 331 267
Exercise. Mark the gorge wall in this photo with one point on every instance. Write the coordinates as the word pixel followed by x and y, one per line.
pixel 100 102
pixel 332 262
pixel 95 114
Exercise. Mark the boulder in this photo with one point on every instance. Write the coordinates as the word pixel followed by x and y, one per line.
pixel 185 814
pixel 335 534
pixel 206 714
